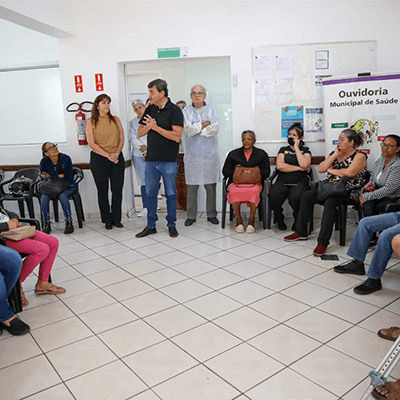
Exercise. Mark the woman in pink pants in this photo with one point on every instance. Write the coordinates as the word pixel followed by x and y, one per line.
pixel 41 249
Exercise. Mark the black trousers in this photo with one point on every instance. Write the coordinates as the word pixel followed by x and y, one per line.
pixel 308 200
pixel 105 172
pixel 280 192
pixel 374 207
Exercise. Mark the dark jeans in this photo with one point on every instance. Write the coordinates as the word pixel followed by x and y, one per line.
pixel 308 200
pixel 374 207
pixel 105 171
pixel 280 192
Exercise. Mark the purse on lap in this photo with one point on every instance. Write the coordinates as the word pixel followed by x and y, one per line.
pixel 53 186
pixel 246 175
pixel 17 234
pixel 332 189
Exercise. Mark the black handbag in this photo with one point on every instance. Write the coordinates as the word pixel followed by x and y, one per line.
pixel 332 189
pixel 53 186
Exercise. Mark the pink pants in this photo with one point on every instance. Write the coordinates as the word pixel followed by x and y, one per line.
pixel 41 249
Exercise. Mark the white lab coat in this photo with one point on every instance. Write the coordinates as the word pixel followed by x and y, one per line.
pixel 200 146
pixel 135 139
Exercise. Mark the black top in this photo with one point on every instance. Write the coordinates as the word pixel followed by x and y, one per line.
pixel 4 225
pixel 291 158
pixel 258 158
pixel 159 148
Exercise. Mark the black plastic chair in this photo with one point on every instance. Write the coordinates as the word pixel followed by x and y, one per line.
pixel 75 197
pixel 262 210
pixel 270 182
pixel 6 195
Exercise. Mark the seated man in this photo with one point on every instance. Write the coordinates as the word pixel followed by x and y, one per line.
pixel 389 226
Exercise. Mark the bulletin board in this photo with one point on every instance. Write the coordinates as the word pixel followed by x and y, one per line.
pixel 287 84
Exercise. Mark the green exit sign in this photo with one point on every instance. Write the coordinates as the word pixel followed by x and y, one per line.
pixel 172 52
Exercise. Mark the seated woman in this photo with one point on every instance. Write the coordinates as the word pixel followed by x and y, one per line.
pixel 57 165
pixel 345 161
pixel 384 186
pixel 10 267
pixel 293 164
pixel 247 156
pixel 41 249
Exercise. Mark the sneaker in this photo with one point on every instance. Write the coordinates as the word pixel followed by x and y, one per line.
pixel 319 250
pixel 250 229
pixel 240 228
pixel 369 286
pixel 293 237
pixel 353 267
pixel 69 228
pixel 142 213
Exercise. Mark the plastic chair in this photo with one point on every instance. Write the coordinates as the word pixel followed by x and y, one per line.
pixel 32 173
pixel 75 197
pixel 262 210
pixel 270 181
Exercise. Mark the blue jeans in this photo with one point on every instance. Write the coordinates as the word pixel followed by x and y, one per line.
pixel 389 226
pixel 168 171
pixel 10 268
pixel 63 197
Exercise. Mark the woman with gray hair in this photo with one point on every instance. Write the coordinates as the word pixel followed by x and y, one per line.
pixel 246 156
pixel 139 149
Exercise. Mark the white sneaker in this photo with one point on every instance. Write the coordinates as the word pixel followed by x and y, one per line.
pixel 142 213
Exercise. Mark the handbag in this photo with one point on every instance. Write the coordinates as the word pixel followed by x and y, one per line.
pixel 17 234
pixel 246 175
pixel 332 189
pixel 53 186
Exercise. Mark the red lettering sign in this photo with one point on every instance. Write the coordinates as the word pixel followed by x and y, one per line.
pixel 78 84
pixel 99 82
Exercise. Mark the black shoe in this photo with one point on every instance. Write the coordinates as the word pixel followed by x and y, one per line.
pixel 118 224
pixel 282 226
pixel 16 328
pixel 353 267
pixel 374 240
pixel 108 225
pixel 46 227
pixel 189 222
pixel 69 228
pixel 213 220
pixel 369 286
pixel 172 231
pixel 146 231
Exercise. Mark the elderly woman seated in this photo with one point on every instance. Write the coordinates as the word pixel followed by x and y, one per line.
pixel 246 156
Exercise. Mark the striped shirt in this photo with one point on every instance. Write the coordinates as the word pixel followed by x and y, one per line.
pixel 386 181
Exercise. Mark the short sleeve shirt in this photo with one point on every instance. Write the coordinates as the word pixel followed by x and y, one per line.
pixel 291 158
pixel 159 148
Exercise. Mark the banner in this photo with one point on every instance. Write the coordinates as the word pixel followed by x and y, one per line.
pixel 370 104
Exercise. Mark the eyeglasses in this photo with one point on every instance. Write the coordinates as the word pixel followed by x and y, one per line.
pixel 390 146
pixel 52 147
pixel 197 94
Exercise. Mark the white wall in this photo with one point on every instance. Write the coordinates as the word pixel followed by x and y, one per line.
pixel 109 33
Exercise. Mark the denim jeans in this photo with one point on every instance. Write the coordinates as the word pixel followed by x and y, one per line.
pixel 389 226
pixel 10 267
pixel 154 171
pixel 63 198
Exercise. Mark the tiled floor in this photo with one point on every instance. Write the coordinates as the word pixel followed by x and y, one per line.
pixel 211 315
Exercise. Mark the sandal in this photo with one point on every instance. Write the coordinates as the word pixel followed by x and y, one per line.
pixel 24 300
pixel 49 289
pixel 392 391
pixel 390 333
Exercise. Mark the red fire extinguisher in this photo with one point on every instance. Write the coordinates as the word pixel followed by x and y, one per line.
pixel 80 119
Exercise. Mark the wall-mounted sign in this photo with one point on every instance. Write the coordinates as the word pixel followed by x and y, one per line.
pixel 99 82
pixel 172 52
pixel 78 84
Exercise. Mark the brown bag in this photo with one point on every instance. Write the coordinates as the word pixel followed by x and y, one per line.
pixel 246 175
pixel 17 234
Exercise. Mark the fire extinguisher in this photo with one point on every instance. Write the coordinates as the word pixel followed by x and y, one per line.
pixel 80 119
